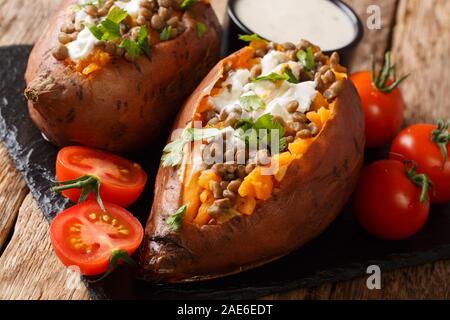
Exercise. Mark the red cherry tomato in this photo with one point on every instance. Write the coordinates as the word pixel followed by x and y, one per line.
pixel 383 112
pixel 416 143
pixel 388 204
pixel 86 237
pixel 121 181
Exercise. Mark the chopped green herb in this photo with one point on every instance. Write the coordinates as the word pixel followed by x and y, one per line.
pixel 291 77
pixel 94 30
pixel 166 33
pixel 131 47
pixel 175 220
pixel 109 29
pixel 250 37
pixel 143 41
pixel 174 151
pixel 201 134
pixel 251 102
pixel 186 4
pixel 272 77
pixel 201 29
pixel 116 15
pixel 262 131
pixel 306 58
pixel 267 122
pixel 244 124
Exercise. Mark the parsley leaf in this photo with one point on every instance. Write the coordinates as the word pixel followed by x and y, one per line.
pixel 266 122
pixel 109 29
pixel 306 58
pixel 291 77
pixel 250 38
pixel 272 77
pixel 166 33
pixel 262 131
pixel 96 31
pixel 143 41
pixel 251 102
pixel 201 29
pixel 175 220
pixel 131 47
pixel 244 124
pixel 174 151
pixel 186 4
pixel 117 15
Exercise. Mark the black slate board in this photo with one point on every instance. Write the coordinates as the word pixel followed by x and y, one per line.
pixel 343 252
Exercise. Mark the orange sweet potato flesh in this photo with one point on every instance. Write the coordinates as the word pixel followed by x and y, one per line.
pixel 123 107
pixel 313 192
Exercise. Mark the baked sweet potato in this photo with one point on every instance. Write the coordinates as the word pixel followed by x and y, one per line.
pixel 123 93
pixel 211 220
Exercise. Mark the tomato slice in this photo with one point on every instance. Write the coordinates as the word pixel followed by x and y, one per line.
pixel 121 181
pixel 85 236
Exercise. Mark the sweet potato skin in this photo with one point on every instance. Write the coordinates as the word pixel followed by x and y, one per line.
pixel 125 106
pixel 315 190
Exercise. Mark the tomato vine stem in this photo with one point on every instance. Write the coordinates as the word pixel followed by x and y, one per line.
pixel 421 180
pixel 381 78
pixel 441 137
pixel 87 183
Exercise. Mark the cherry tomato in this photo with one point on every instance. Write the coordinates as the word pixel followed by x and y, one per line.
pixel 382 102
pixel 388 203
pixel 87 237
pixel 416 143
pixel 383 112
pixel 121 181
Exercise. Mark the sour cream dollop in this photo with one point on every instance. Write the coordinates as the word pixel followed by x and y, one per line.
pixel 82 46
pixel 85 42
pixel 276 97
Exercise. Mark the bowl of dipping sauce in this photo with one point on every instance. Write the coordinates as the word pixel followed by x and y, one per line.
pixel 330 24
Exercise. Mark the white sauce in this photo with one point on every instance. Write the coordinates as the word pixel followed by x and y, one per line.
pixel 81 47
pixel 132 7
pixel 318 21
pixel 276 98
pixel 271 60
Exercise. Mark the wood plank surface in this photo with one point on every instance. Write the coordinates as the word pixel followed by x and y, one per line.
pixel 12 193
pixel 421 48
pixel 35 273
pixel 28 266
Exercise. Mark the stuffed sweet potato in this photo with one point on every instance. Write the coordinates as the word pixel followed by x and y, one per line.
pixel 270 148
pixel 112 74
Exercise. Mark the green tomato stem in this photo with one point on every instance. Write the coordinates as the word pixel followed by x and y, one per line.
pixel 441 137
pixel 87 183
pixel 421 180
pixel 381 78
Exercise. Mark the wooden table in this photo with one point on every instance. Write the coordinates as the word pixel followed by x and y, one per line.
pixel 418 33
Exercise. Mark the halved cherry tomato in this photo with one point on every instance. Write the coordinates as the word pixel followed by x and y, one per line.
pixel 87 237
pixel 382 104
pixel 388 200
pixel 121 181
pixel 416 143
